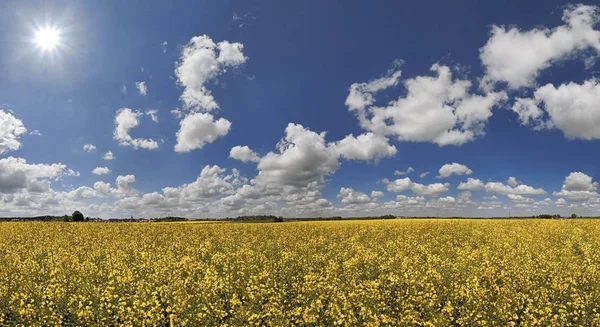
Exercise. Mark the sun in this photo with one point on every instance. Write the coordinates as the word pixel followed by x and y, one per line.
pixel 47 38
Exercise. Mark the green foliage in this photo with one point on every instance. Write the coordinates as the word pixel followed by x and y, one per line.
pixel 78 216
pixel 573 216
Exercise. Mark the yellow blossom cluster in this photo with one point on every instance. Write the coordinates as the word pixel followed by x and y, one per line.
pixel 342 273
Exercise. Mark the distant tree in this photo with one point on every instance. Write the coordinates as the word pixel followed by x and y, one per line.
pixel 573 216
pixel 78 216
pixel 66 218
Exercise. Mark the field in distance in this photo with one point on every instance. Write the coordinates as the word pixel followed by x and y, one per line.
pixel 334 273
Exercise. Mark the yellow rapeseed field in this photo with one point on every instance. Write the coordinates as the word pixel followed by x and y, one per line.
pixel 348 273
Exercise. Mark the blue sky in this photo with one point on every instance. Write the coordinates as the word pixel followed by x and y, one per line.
pixel 218 108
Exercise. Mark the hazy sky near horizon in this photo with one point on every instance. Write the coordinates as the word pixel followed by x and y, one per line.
pixel 306 108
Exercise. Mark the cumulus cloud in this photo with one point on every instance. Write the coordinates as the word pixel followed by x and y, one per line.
pixel 403 184
pixel 572 108
pixel 122 189
pixel 438 109
pixel 125 120
pixel 423 174
pixel 519 198
pixel 11 128
pixel 89 147
pixel 376 194
pixel 201 61
pixel 472 184
pixel 211 184
pixel 434 189
pixel 454 169
pixel 243 154
pixel 297 171
pixel 366 147
pixel 404 172
pixel 302 157
pixel 101 171
pixel 350 196
pixel 35 132
pixel 516 57
pixel 198 129
pixel 530 114
pixel 16 174
pixel 500 188
pixel 578 187
pixel 109 156
pixel 141 87
pixel 512 181
pixel 163 46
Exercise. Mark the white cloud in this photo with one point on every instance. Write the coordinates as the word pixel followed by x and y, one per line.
pixel 434 189
pixel 35 132
pixel 376 194
pixel 530 114
pixel 303 157
pixel 293 177
pixel 198 129
pixel 350 196
pixel 403 184
pixel 103 189
pixel 578 187
pixel 153 115
pixel 512 181
pixel 163 46
pixel 200 63
pixel 123 89
pixel 519 198
pixel 109 156
pixel 465 197
pixel 89 147
pixel 243 154
pixel 11 128
pixel 16 174
pixel 209 183
pixel 436 109
pixel 500 188
pixel 454 169
pixel 404 172
pixel 472 184
pixel 125 120
pixel 101 171
pixel 423 174
pixel 366 147
pixel 141 87
pixel 399 185
pixel 517 57
pixel 578 181
pixel 572 108
pixel 361 94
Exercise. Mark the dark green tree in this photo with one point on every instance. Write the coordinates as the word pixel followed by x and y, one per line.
pixel 573 216
pixel 78 216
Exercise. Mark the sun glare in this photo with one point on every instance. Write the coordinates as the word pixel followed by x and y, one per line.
pixel 47 38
